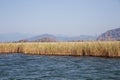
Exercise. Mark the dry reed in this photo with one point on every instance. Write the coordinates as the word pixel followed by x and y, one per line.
pixel 103 49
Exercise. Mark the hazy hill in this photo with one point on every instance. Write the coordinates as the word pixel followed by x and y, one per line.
pixel 10 37
pixel 60 38
pixel 113 34
pixel 41 37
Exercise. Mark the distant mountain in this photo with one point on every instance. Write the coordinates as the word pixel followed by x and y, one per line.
pixel 76 38
pixel 8 37
pixel 113 34
pixel 41 37
pixel 50 37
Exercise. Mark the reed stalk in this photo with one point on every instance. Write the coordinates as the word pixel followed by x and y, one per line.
pixel 103 49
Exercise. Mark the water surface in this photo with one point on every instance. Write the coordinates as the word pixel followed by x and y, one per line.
pixel 37 67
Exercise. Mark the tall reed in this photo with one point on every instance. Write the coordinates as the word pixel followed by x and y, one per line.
pixel 104 49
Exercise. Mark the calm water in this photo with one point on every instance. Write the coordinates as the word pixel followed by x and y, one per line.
pixel 35 67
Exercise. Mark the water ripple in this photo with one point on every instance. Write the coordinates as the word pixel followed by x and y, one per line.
pixel 36 67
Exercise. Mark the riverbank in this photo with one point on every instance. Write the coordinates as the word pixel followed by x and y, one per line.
pixel 102 49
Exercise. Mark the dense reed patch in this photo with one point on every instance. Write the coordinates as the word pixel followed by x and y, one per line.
pixel 104 49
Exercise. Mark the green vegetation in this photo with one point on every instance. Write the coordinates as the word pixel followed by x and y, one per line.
pixel 103 49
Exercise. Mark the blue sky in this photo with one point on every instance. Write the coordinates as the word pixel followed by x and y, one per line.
pixel 68 17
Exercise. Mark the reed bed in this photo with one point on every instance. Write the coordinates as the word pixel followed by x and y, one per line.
pixel 103 49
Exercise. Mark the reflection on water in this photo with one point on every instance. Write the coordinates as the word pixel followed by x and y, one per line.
pixel 36 67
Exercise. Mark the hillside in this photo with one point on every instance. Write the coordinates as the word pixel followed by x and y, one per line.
pixel 113 34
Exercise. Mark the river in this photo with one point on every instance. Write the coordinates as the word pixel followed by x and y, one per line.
pixel 38 67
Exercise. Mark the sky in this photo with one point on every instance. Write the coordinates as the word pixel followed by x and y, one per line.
pixel 68 17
